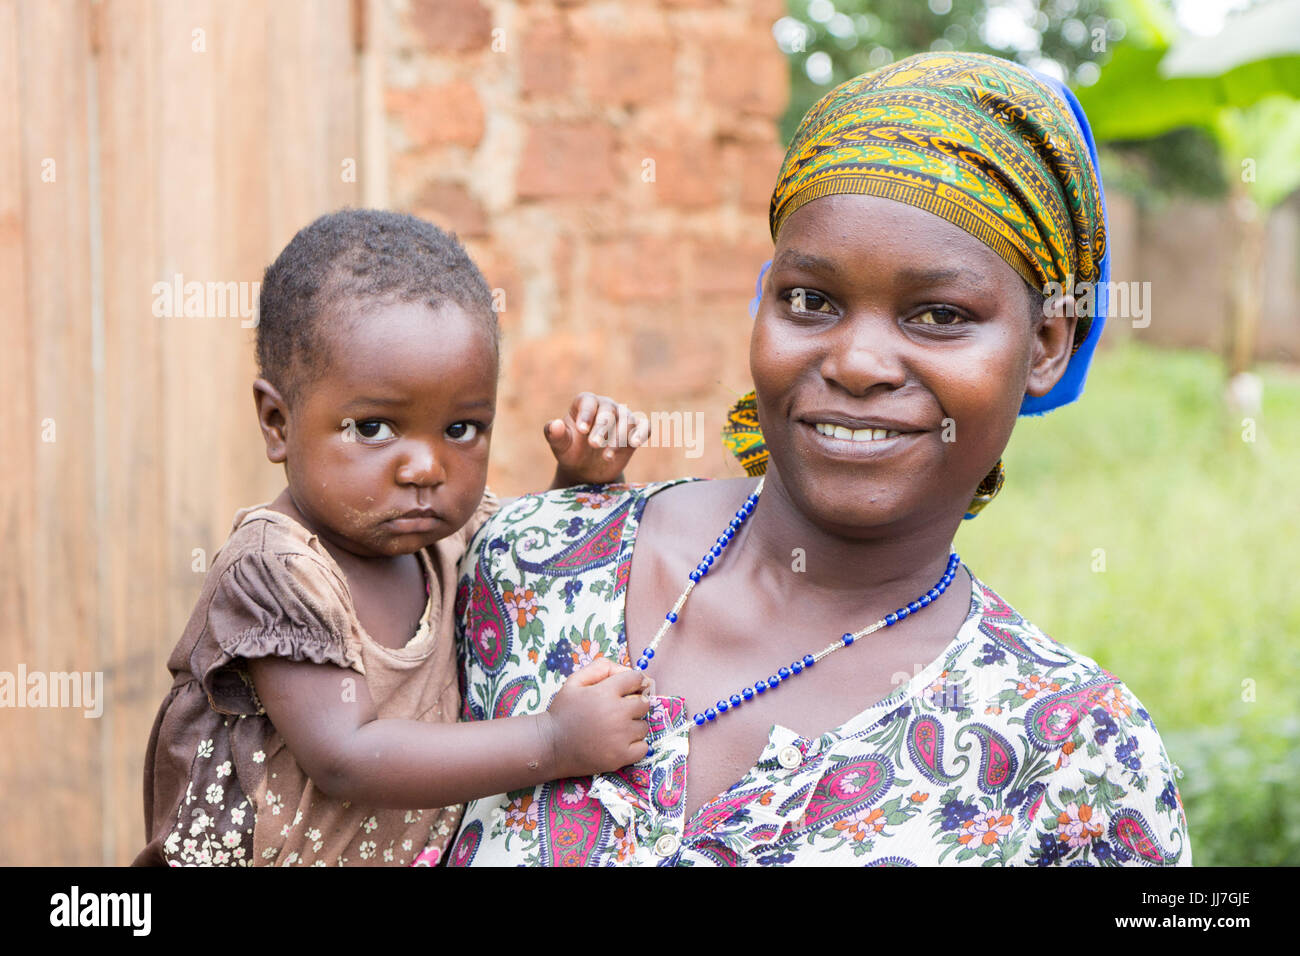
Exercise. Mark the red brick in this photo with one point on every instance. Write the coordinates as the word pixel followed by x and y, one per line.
pixel 562 266
pixel 748 75
pixel 674 361
pixel 688 174
pixel 766 12
pixel 546 59
pixel 636 269
pixel 759 166
pixel 451 206
pixel 502 275
pixel 544 374
pixel 567 160
pixel 728 268
pixel 434 115
pixel 452 25
pixel 540 377
pixel 627 72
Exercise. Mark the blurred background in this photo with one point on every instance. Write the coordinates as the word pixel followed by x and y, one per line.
pixel 609 165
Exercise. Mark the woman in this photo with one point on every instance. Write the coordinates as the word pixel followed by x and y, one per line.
pixel 834 686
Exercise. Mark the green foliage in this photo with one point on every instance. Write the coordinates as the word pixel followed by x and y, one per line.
pixel 1239 788
pixel 866 34
pixel 1261 144
pixel 1133 100
pixel 1239 87
pixel 1175 134
pixel 1181 162
pixel 1195 527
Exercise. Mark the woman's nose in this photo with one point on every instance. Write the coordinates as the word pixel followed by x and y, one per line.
pixel 420 466
pixel 864 352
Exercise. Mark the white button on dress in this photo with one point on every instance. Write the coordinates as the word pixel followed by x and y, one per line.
pixel 667 845
pixel 789 757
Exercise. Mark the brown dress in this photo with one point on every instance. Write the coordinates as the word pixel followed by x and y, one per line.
pixel 220 786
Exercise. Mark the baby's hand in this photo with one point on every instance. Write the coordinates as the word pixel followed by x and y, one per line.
pixel 595 720
pixel 595 441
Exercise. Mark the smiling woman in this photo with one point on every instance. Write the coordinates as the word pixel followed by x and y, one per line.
pixel 920 719
pixel 858 331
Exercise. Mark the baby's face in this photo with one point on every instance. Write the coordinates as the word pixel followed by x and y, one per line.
pixel 387 450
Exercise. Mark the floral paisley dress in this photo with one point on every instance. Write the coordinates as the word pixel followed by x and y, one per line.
pixel 1007 749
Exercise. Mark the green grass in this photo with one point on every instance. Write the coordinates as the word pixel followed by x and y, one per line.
pixel 1197 609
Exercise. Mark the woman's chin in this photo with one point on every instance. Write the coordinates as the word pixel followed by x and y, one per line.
pixel 852 508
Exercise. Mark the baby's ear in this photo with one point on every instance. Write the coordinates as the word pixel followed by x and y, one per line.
pixel 272 418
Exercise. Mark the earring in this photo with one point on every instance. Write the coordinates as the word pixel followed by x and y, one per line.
pixel 987 490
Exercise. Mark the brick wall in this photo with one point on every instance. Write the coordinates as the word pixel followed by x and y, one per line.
pixel 609 166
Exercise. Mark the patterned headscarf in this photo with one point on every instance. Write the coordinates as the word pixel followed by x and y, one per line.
pixel 997 150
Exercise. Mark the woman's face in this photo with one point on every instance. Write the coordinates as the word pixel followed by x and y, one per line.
pixel 398 423
pixel 880 318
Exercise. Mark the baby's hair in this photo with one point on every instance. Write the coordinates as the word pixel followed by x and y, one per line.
pixel 365 257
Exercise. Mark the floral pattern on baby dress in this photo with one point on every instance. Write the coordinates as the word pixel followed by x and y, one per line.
pixel 1008 749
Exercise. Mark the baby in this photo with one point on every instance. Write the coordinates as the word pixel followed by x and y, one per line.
pixel 312 719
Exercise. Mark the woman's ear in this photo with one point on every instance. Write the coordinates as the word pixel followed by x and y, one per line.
pixel 273 418
pixel 1053 342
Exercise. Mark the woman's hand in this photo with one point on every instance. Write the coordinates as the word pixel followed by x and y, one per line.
pixel 595 722
pixel 594 442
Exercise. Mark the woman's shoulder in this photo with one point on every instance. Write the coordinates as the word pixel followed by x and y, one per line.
pixel 1016 672
pixel 1083 756
pixel 572 511
pixel 1001 636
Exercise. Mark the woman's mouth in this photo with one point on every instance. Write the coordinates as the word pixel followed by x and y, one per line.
pixel 854 434
pixel 856 444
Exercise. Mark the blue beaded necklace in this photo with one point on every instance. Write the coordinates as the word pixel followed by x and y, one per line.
pixel 762 686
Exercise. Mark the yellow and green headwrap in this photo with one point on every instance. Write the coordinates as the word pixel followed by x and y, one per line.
pixel 999 151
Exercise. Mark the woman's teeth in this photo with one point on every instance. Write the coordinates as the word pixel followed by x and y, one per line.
pixel 850 434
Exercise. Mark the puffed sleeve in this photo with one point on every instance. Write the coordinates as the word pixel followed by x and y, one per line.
pixel 1113 800
pixel 271 605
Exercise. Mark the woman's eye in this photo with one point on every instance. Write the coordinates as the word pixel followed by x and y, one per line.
pixel 806 300
pixel 373 430
pixel 940 316
pixel 462 431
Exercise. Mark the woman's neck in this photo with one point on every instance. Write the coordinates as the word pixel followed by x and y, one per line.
pixel 783 551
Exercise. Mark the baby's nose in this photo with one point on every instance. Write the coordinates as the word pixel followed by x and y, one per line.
pixel 420 466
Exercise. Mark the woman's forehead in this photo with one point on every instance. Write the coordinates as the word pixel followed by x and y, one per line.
pixel 847 233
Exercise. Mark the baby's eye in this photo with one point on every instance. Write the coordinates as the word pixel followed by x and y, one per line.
pixel 374 430
pixel 940 316
pixel 806 300
pixel 462 431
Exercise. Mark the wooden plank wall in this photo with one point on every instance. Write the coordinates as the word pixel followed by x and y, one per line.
pixel 139 140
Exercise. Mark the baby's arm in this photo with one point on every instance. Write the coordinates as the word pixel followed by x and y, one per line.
pixel 594 442
pixel 594 725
